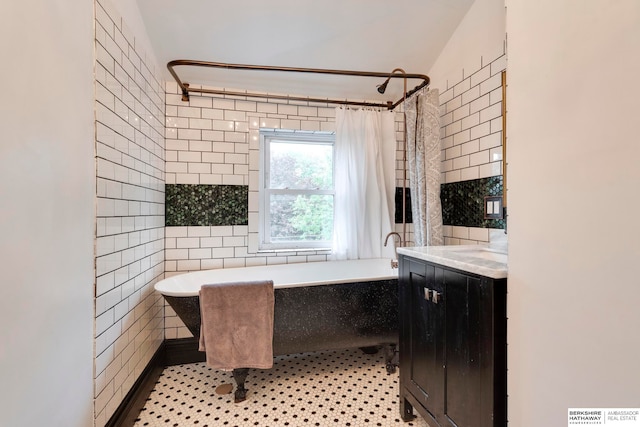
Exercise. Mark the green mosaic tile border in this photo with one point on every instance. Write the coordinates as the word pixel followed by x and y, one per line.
pixel 206 205
pixel 463 202
pixel 217 205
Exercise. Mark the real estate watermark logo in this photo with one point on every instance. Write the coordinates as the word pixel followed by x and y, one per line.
pixel 614 417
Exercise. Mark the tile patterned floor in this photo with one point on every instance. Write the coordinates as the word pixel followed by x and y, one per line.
pixel 342 388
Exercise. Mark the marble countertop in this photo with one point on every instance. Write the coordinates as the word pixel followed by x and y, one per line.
pixel 476 259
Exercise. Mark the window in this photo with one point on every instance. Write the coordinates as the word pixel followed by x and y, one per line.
pixel 296 189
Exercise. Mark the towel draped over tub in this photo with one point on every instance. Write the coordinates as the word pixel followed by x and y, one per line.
pixel 237 324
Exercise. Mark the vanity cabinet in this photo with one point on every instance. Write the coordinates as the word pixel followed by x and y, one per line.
pixel 452 346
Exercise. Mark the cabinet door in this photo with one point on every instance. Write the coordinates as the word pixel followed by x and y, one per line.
pixel 463 382
pixel 422 335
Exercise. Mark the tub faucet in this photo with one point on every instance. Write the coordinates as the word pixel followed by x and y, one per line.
pixel 394 262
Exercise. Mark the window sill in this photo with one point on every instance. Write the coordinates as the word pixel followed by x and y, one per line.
pixel 271 251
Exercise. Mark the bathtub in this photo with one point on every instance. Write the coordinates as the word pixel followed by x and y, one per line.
pixel 318 306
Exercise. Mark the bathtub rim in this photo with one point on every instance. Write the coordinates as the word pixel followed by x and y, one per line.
pixel 368 270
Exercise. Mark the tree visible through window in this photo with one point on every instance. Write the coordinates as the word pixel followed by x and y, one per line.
pixel 297 189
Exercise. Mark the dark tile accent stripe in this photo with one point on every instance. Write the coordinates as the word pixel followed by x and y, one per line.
pixel 463 202
pixel 398 213
pixel 182 350
pixel 206 205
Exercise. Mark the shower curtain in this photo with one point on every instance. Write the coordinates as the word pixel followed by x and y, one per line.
pixel 422 115
pixel 364 148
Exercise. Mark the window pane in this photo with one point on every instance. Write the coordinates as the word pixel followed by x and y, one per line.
pixel 301 166
pixel 301 217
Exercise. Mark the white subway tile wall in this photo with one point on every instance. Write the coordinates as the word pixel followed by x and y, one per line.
pixel 455 235
pixel 471 132
pixel 215 140
pixel 130 116
pixel 471 124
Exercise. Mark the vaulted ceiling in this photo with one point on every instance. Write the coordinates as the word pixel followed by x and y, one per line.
pixel 361 35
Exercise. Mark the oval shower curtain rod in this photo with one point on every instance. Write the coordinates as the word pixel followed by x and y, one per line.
pixel 186 89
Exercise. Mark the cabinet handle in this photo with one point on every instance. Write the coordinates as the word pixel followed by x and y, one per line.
pixel 427 294
pixel 435 297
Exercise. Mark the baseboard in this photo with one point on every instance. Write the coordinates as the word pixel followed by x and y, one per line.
pixel 182 350
pixel 127 412
pixel 170 352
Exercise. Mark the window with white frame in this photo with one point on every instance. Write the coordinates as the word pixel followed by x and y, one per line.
pixel 296 189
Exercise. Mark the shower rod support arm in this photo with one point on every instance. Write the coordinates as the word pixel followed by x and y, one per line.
pixel 186 89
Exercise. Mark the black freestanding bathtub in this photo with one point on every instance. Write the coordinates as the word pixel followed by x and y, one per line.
pixel 318 306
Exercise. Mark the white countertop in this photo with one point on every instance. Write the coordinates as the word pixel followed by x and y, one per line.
pixel 476 259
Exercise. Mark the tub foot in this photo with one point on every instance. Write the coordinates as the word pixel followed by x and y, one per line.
pixel 369 350
pixel 391 358
pixel 240 375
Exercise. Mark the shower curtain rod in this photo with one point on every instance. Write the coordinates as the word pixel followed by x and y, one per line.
pixel 186 89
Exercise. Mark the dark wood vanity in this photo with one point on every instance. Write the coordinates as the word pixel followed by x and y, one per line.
pixel 453 363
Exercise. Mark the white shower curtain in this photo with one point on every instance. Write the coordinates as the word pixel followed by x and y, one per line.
pixel 422 115
pixel 364 183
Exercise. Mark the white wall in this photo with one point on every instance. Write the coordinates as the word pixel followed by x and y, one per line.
pixel 573 168
pixel 46 214
pixel 133 22
pixel 478 40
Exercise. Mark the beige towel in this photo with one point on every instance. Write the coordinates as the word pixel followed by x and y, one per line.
pixel 236 328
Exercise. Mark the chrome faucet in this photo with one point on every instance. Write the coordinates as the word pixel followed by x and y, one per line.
pixel 394 262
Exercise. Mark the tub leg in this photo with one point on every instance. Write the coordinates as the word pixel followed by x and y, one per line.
pixel 240 375
pixel 369 350
pixel 391 358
